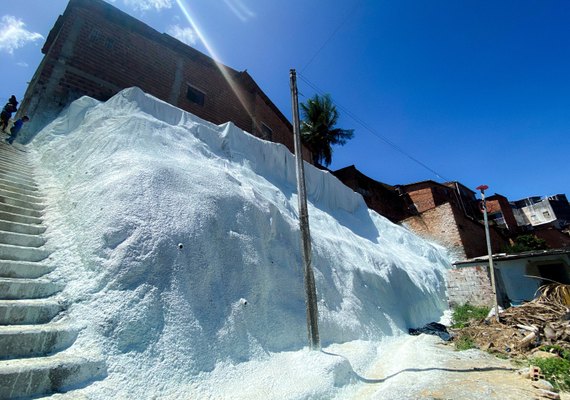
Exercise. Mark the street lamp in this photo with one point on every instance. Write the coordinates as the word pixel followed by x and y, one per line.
pixel 482 189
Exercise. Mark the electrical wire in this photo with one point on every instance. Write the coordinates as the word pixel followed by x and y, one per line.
pixel 348 16
pixel 374 132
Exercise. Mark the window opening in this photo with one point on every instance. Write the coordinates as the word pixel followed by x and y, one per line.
pixel 195 95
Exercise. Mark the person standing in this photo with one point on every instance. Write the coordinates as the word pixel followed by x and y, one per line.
pixel 9 108
pixel 16 128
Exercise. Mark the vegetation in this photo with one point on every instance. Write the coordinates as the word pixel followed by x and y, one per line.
pixel 564 353
pixel 555 370
pixel 464 342
pixel 526 243
pixel 318 131
pixel 463 314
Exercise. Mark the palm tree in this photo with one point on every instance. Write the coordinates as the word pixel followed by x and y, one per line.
pixel 318 130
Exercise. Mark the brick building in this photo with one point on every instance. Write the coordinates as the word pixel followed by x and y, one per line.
pixel 535 211
pixel 94 49
pixel 447 214
pixel 501 213
pixel 380 197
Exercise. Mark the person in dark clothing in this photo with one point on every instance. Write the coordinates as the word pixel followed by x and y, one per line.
pixel 16 128
pixel 9 108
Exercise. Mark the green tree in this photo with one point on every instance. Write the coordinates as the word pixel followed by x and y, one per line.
pixel 527 243
pixel 318 131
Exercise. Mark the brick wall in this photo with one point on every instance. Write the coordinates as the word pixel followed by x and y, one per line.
pixel 382 198
pixel 498 203
pixel 423 199
pixel 555 239
pixel 439 225
pixel 96 50
pixel 469 285
pixel 473 237
pixel 448 226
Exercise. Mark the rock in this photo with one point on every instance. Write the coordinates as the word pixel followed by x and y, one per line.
pixel 543 384
pixel 544 354
pixel 524 372
pixel 548 394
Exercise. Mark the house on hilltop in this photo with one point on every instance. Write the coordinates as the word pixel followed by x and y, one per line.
pixel 94 49
pixel 445 213
pixel 500 213
pixel 386 200
pixel 547 218
pixel 448 216
pixel 518 277
pixel 536 211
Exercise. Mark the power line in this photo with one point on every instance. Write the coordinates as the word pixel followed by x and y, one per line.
pixel 348 16
pixel 373 132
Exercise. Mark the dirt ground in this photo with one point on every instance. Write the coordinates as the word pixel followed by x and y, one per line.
pixel 424 367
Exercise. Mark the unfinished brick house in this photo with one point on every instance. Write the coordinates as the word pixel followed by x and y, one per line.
pixel 447 214
pixel 94 49
pixel 380 197
pixel 501 213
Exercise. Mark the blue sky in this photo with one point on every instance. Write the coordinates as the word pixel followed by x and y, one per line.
pixel 477 91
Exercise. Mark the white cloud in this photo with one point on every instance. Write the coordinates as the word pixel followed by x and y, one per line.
pixel 145 5
pixel 13 34
pixel 22 64
pixel 240 10
pixel 185 35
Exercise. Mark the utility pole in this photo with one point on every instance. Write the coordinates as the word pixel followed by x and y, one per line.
pixel 310 290
pixel 482 188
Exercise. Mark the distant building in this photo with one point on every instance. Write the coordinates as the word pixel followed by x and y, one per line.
pixel 94 49
pixel 536 211
pixel 518 276
pixel 500 212
pixel 448 215
pixel 386 200
pixel 445 213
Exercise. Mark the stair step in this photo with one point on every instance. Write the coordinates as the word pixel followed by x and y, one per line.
pixel 23 270
pixel 17 341
pixel 19 210
pixel 37 199
pixel 28 312
pixel 18 184
pixel 58 373
pixel 27 229
pixel 12 187
pixel 21 203
pixel 17 177
pixel 13 163
pixel 24 288
pixel 10 151
pixel 22 219
pixel 22 253
pixel 21 239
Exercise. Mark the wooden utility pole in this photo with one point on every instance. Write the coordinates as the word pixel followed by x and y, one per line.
pixel 482 188
pixel 310 290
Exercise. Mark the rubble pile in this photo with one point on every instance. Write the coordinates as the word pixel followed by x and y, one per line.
pixel 542 321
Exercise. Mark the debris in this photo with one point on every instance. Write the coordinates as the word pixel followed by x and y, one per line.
pixel 433 328
pixel 535 373
pixel 526 341
pixel 542 321
pixel 528 328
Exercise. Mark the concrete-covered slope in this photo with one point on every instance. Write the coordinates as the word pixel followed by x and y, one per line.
pixel 180 245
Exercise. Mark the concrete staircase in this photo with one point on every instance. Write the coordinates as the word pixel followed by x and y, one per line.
pixel 36 338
